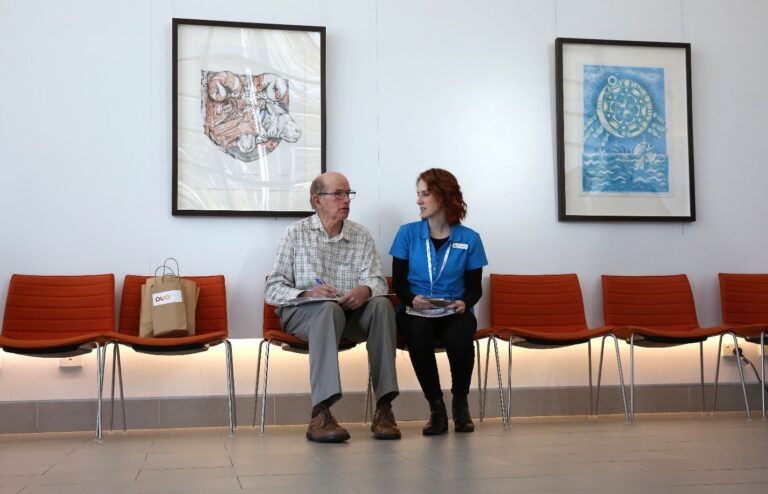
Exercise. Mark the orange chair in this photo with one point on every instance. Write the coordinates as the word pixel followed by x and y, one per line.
pixel 273 333
pixel 744 304
pixel 657 311
pixel 210 329
pixel 60 316
pixel 544 311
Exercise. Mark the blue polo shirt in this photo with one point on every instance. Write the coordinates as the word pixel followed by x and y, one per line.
pixel 466 253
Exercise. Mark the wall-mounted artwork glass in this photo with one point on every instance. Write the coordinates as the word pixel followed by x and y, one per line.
pixel 624 135
pixel 248 117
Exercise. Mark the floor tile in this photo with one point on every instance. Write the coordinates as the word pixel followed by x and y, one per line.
pixel 680 453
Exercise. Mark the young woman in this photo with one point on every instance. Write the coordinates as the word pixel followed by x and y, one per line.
pixel 439 262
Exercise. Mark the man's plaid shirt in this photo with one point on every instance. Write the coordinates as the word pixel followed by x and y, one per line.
pixel 306 254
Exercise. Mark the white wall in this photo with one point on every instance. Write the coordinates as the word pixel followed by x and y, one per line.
pixel 85 128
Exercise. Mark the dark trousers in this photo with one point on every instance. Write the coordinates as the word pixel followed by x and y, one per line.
pixel 455 333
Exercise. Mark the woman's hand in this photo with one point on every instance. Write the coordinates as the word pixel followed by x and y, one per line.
pixel 420 302
pixel 459 306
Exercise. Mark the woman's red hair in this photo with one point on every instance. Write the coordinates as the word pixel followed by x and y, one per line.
pixel 446 188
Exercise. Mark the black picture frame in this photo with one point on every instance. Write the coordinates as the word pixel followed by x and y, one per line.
pixel 249 123
pixel 624 130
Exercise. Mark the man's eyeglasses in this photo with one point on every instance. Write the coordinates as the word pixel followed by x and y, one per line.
pixel 339 195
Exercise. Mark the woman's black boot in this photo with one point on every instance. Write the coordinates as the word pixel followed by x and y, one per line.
pixel 462 422
pixel 438 418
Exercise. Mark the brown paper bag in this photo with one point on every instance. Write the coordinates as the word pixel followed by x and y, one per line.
pixel 169 325
pixel 168 305
pixel 145 316
pixel 168 308
pixel 191 295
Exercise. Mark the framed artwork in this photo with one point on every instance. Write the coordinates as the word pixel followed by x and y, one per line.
pixel 248 117
pixel 624 132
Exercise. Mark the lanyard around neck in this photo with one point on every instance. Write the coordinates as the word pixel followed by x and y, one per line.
pixel 429 265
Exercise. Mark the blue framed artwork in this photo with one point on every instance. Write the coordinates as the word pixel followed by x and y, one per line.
pixel 624 135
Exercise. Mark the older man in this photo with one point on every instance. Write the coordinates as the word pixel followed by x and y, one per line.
pixel 329 256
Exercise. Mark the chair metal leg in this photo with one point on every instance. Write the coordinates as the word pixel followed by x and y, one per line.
pixel 120 383
pixel 256 390
pixel 701 368
pixel 589 359
pixel 480 402
pixel 621 376
pixel 741 374
pixel 621 380
pixel 100 357
pixel 632 378
pixel 266 381
pixel 371 395
pixel 504 413
pixel 112 386
pixel 117 369
pixel 485 381
pixel 762 370
pixel 231 405
pixel 509 378
pixel 600 375
pixel 717 373
pixel 367 412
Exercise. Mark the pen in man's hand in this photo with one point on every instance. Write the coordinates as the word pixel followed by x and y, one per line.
pixel 321 282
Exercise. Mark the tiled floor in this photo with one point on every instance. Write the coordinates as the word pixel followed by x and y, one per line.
pixel 680 453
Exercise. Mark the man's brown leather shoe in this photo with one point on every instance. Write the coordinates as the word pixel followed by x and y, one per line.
pixel 383 424
pixel 323 427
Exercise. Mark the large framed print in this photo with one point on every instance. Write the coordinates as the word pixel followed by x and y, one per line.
pixel 248 117
pixel 624 131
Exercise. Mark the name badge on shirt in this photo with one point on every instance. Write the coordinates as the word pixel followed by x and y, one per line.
pixel 459 245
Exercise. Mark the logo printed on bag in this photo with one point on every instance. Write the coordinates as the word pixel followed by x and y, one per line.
pixel 167 297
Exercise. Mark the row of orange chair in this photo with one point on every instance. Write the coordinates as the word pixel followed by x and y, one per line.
pixel 63 316
pixel 650 311
pixel 56 316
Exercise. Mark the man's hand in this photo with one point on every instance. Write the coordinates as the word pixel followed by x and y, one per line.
pixel 323 290
pixel 355 297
